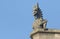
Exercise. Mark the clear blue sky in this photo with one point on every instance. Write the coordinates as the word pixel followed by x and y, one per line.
pixel 16 17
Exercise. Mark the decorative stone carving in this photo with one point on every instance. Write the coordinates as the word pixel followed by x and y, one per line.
pixel 39 27
pixel 39 21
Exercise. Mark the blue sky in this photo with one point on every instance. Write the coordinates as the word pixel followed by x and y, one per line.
pixel 16 17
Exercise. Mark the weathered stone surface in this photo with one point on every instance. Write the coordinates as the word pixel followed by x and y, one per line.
pixel 39 27
pixel 45 34
pixel 39 22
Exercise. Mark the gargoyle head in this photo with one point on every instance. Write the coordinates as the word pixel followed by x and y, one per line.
pixel 37 12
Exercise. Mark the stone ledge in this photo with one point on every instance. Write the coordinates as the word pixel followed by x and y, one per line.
pixel 44 31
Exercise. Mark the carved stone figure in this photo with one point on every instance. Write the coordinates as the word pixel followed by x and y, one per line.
pixel 37 12
pixel 39 21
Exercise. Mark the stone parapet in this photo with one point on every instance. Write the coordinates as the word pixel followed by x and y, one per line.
pixel 46 31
